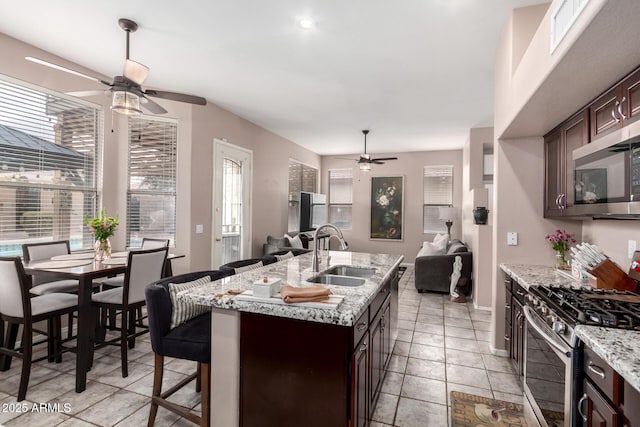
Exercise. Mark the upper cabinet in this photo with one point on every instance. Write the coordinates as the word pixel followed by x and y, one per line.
pixel 558 150
pixel 617 107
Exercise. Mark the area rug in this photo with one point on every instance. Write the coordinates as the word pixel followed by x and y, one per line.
pixel 468 410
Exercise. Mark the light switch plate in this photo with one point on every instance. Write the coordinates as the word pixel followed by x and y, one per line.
pixel 512 238
pixel 199 228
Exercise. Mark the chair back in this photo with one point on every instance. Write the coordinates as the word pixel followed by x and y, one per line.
pixel 14 296
pixel 231 266
pixel 143 267
pixel 148 243
pixel 160 308
pixel 46 250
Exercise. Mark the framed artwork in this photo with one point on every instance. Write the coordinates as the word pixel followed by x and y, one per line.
pixel 387 213
pixel 591 185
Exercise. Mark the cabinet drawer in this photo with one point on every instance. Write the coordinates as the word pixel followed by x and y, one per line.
pixel 379 300
pixel 600 373
pixel 360 327
pixel 507 307
pixel 507 282
pixel 518 292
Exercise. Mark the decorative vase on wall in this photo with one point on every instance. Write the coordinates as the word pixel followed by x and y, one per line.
pixel 102 250
pixel 480 215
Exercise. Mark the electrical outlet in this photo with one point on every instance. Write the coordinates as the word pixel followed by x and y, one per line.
pixel 631 248
pixel 512 238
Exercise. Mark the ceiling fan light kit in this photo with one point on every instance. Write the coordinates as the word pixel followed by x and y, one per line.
pixel 126 90
pixel 366 160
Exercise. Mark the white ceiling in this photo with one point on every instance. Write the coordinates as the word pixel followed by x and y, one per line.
pixel 418 73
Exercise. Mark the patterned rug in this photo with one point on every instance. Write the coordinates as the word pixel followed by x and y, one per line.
pixel 468 410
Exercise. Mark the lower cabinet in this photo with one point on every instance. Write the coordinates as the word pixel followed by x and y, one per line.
pixel 598 412
pixel 297 373
pixel 514 323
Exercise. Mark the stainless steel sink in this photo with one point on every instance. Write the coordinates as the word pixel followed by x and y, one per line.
pixel 351 270
pixel 330 279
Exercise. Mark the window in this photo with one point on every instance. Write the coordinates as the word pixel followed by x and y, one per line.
pixel 301 178
pixel 151 193
pixel 340 197
pixel 49 148
pixel 438 192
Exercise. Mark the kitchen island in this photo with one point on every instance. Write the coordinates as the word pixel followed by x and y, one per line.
pixel 280 365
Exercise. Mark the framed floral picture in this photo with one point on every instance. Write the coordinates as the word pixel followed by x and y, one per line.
pixel 387 194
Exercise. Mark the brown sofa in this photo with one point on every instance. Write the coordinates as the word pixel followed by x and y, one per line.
pixel 433 272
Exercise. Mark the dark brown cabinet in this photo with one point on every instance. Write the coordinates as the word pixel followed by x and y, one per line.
pixel 514 323
pixel 607 400
pixel 617 107
pixel 558 150
pixel 287 363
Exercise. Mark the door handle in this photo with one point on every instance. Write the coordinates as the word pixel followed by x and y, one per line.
pixel 584 397
pixel 596 370
pixel 218 239
pixel 558 201
pixel 613 112
pixel 620 108
pixel 562 204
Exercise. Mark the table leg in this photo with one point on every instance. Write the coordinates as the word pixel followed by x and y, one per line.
pixel 84 357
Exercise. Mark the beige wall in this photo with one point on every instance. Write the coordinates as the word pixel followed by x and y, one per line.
pixel 409 165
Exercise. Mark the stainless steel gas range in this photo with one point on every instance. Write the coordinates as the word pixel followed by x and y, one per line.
pixel 553 355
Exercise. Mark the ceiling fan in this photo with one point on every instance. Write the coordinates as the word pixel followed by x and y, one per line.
pixel 126 90
pixel 366 160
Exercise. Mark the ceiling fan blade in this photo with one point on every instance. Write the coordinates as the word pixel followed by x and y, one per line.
pixel 66 70
pixel 174 96
pixel 347 158
pixel 152 106
pixel 135 71
pixel 83 93
pixel 376 162
pixel 385 158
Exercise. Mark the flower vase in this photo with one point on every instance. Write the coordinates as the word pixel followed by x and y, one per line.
pixel 561 261
pixel 102 249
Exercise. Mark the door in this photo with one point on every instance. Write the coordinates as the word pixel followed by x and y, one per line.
pixel 553 174
pixel 231 227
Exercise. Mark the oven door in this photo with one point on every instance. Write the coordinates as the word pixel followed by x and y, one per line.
pixel 547 373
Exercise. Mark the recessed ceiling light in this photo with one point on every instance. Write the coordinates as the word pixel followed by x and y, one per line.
pixel 306 23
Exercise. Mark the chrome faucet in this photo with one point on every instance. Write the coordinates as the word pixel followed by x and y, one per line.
pixel 343 244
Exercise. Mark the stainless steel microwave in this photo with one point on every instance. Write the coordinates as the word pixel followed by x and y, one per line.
pixel 606 175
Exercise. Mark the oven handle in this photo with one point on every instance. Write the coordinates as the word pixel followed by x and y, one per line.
pixel 529 314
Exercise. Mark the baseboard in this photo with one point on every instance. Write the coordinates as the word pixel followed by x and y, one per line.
pixel 498 351
pixel 479 307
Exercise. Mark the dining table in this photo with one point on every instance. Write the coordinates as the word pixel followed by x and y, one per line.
pixel 84 268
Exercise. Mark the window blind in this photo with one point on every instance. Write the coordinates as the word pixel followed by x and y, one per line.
pixel 49 156
pixel 151 192
pixel 340 197
pixel 437 192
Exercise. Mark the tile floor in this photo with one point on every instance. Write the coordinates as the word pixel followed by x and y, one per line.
pixel 441 347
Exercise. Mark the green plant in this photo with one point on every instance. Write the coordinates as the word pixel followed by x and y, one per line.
pixel 102 226
pixel 561 241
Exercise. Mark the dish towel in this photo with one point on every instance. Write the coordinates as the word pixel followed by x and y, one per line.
pixel 316 293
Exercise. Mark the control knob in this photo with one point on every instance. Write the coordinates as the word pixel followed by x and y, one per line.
pixel 559 326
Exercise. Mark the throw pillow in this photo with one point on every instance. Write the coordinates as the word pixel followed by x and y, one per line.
pixel 429 249
pixel 183 310
pixel 294 242
pixel 248 267
pixel 439 237
pixel 284 256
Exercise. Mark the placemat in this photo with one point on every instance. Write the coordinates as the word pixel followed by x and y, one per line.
pixel 114 261
pixel 83 255
pixel 62 264
pixel 469 410
pixel 331 304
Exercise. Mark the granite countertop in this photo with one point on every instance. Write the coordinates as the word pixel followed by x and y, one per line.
pixel 534 275
pixel 295 271
pixel 620 348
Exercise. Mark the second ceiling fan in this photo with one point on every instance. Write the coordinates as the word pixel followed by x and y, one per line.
pixel 366 160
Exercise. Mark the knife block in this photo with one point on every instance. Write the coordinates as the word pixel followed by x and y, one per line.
pixel 610 276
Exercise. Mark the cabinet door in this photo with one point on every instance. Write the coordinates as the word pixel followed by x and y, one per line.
pixel 386 335
pixel 575 134
pixel 517 337
pixel 631 98
pixel 360 384
pixel 605 117
pixel 376 360
pixel 598 411
pixel 553 173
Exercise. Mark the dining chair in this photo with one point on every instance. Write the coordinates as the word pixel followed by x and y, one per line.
pixel 18 308
pixel 43 284
pixel 236 267
pixel 180 331
pixel 143 267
